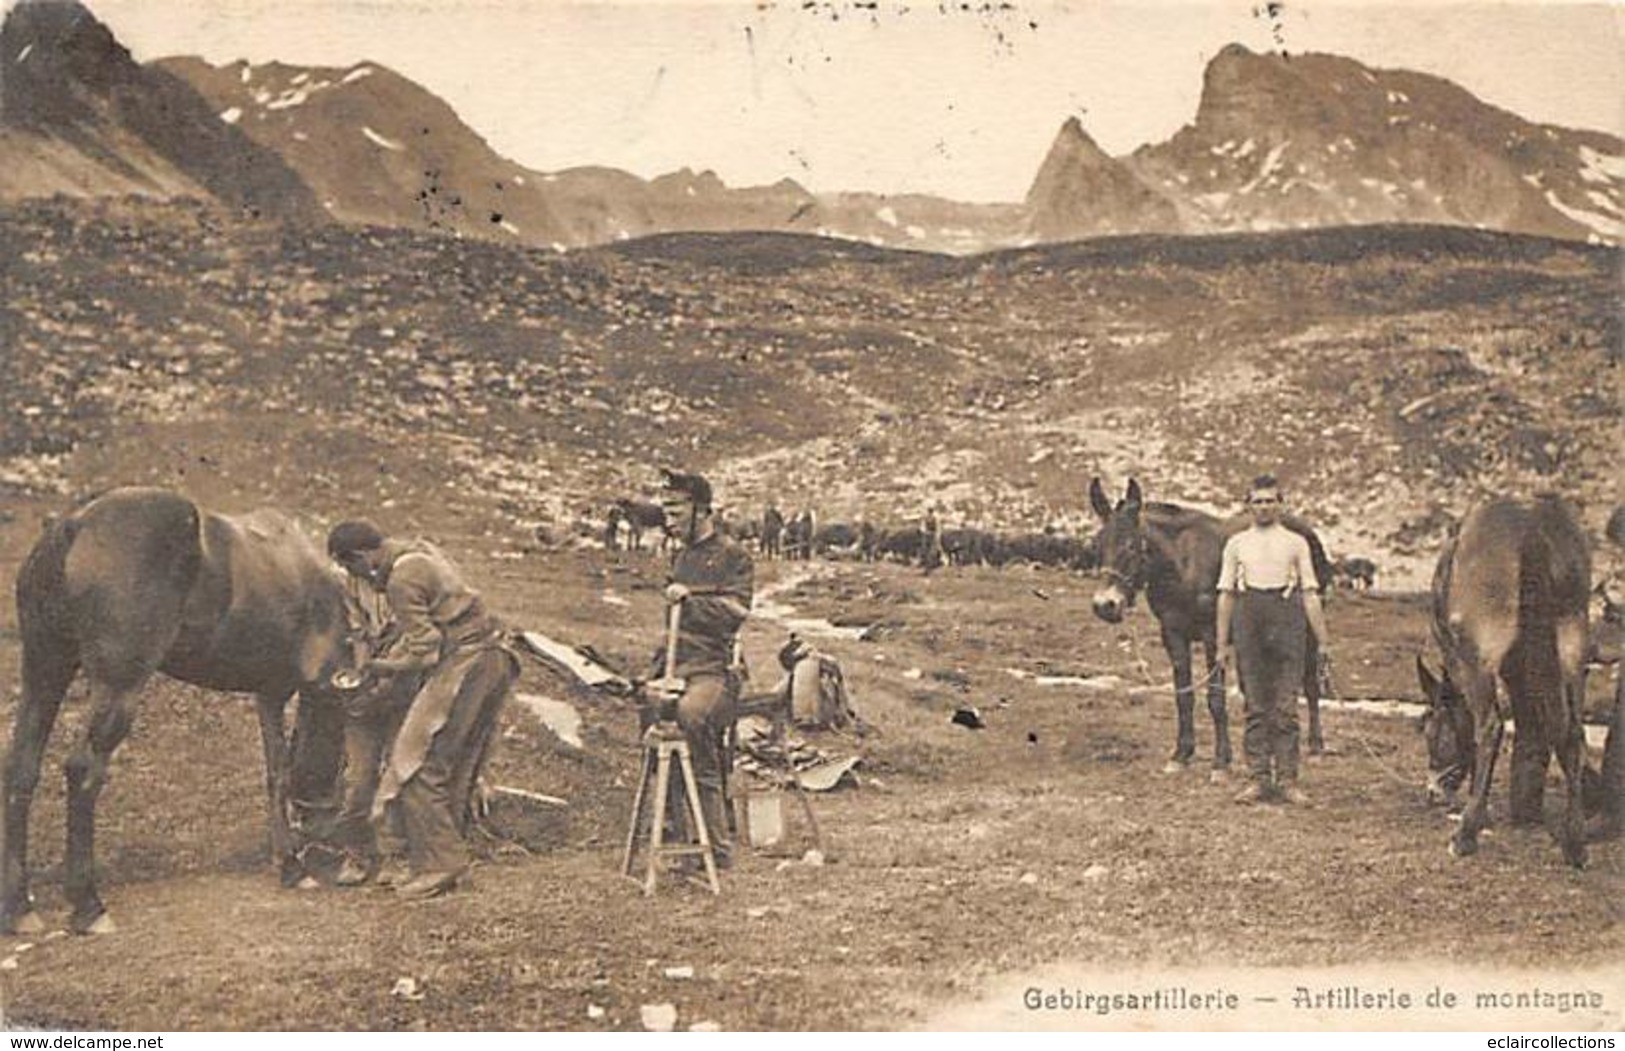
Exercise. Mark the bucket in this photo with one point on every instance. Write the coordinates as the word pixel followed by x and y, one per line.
pixel 764 818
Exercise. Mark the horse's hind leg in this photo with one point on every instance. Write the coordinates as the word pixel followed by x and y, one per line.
pixel 46 678
pixel 1567 734
pixel 1486 709
pixel 87 775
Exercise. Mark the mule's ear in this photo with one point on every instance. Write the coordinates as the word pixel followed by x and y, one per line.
pixel 1429 682
pixel 1098 501
pixel 1134 498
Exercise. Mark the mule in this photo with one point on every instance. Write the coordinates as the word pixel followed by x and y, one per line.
pixel 1173 554
pixel 1355 573
pixel 138 581
pixel 772 543
pixel 638 517
pixel 1511 594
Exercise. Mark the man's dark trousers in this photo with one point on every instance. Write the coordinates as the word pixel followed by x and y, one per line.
pixel 1269 631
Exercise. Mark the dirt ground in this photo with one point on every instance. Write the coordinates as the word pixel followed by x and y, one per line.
pixel 962 859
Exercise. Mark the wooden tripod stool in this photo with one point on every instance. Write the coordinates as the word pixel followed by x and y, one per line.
pixel 660 743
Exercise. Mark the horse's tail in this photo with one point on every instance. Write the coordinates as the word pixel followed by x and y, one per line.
pixel 44 620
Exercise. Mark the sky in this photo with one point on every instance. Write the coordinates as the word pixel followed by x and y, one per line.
pixel 961 100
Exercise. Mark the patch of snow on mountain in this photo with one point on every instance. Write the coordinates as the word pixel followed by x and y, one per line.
pixel 1398 97
pixel 1272 164
pixel 1596 166
pixel 232 115
pixel 23 54
pixel 511 228
pixel 887 216
pixel 379 140
pixel 290 99
pixel 1605 225
pixel 248 73
pixel 1602 200
pixel 915 232
pixel 356 74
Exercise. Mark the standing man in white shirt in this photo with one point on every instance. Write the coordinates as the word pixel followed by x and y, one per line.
pixel 1269 596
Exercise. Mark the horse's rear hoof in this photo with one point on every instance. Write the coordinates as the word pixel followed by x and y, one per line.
pixel 28 923
pixel 1463 848
pixel 1575 855
pixel 102 924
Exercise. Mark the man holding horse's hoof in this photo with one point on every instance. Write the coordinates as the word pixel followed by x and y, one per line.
pixel 443 633
pixel 1269 597
pixel 712 583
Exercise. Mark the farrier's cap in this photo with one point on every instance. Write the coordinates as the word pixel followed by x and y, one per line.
pixel 694 485
pixel 357 534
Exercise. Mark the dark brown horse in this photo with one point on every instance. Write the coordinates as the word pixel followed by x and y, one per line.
pixel 1510 602
pixel 143 580
pixel 1173 554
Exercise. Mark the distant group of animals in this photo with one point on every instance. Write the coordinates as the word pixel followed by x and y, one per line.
pixel 138 581
pixel 800 537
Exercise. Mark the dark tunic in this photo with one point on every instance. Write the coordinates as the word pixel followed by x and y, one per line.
pixel 713 570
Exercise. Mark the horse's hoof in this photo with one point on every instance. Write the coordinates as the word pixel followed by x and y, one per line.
pixel 102 924
pixel 1463 848
pixel 28 923
pixel 1575 854
pixel 1174 766
pixel 308 883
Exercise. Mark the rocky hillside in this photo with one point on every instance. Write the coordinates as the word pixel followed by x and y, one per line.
pixel 79 116
pixel 1390 374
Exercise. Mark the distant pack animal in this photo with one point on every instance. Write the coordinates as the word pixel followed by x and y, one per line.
pixel 798 536
pixel 772 543
pixel 900 545
pixel 1173 554
pixel 836 537
pixel 965 546
pixel 1357 573
pixel 1510 597
pixel 636 517
pixel 138 581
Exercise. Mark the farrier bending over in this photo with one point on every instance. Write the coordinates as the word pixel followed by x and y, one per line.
pixel 443 632
pixel 1269 594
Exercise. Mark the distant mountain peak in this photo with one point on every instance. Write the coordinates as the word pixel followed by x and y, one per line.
pixel 1081 191
pixel 56 61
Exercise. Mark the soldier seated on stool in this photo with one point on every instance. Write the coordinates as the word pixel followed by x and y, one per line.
pixel 713 580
